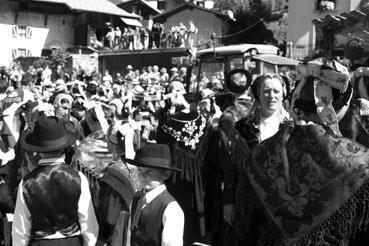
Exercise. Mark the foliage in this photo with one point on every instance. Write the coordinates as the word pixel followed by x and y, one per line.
pixel 56 58
pixel 249 26
pixel 327 5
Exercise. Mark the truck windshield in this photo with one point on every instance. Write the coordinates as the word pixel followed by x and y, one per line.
pixel 235 63
pixel 211 73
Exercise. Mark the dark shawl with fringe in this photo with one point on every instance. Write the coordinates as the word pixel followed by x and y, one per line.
pixel 312 186
pixel 190 160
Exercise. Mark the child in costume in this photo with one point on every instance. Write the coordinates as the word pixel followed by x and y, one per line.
pixel 156 217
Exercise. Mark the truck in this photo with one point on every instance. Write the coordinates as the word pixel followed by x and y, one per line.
pixel 255 58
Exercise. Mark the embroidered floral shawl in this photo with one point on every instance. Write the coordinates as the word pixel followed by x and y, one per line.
pixel 313 186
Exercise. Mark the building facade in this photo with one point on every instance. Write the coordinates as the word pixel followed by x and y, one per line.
pixel 28 33
pixel 207 21
pixel 301 31
pixel 30 27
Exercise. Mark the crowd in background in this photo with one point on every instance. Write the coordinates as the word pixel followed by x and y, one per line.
pixel 137 38
pixel 255 151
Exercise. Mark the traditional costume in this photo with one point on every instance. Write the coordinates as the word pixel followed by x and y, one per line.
pixel 112 186
pixel 310 183
pixel 53 204
pixel 156 218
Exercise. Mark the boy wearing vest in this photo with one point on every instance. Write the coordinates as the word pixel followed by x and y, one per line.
pixel 53 206
pixel 156 217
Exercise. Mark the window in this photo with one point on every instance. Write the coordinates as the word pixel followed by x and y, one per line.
pixel 235 63
pixel 14 31
pixel 324 5
pixel 161 5
pixel 14 53
pixel 211 70
pixel 22 52
pixel 22 31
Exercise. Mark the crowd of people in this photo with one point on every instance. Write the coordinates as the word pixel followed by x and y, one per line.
pixel 91 159
pixel 137 38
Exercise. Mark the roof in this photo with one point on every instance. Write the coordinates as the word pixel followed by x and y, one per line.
pixel 276 60
pixel 131 22
pixel 239 49
pixel 95 6
pixel 142 2
pixel 347 24
pixel 184 6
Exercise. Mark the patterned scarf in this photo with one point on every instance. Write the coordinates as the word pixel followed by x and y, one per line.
pixel 312 185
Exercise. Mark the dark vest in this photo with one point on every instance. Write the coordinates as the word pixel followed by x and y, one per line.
pixel 51 193
pixel 150 226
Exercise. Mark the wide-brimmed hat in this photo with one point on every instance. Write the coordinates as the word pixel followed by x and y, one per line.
pixel 49 134
pixel 208 93
pixel 231 80
pixel 153 156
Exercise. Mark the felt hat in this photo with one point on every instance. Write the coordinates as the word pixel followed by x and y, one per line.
pixel 49 134
pixel 153 156
pixel 208 93
pixel 232 80
pixel 59 97
pixel 118 104
pixel 138 89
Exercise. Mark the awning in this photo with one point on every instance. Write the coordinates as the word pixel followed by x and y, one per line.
pixel 96 6
pixel 131 22
pixel 275 60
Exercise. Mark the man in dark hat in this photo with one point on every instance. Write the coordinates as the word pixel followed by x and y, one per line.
pixel 53 204
pixel 156 218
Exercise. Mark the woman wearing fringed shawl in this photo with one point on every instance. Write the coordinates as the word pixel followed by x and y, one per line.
pixel 310 183
pixel 239 137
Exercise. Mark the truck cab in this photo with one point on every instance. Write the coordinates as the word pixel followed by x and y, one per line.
pixel 214 63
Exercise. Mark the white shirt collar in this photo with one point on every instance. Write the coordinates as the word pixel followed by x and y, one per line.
pixel 152 194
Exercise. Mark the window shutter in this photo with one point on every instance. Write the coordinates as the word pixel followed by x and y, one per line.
pixel 14 31
pixel 29 32
pixel 28 53
pixel 14 53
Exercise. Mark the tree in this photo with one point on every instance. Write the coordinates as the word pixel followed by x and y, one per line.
pixel 249 26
